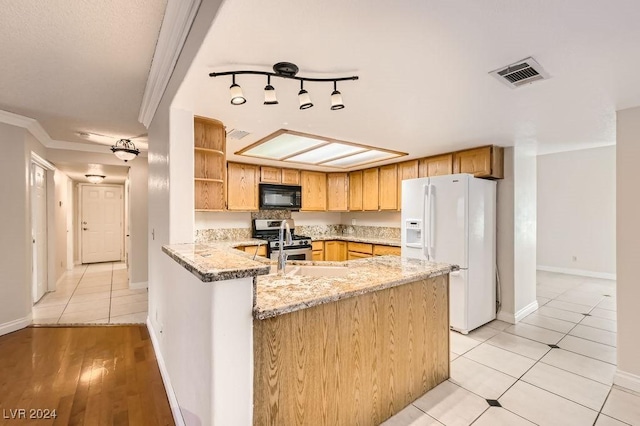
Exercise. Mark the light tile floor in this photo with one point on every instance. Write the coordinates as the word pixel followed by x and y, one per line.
pixel 97 293
pixel 534 382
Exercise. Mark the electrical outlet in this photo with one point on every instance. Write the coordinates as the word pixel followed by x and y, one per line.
pixel 353 221
pixel 574 258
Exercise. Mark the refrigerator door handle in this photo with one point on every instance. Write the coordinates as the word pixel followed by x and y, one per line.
pixel 432 219
pixel 426 203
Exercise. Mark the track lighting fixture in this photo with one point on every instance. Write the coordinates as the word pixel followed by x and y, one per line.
pixel 95 178
pixel 303 97
pixel 284 70
pixel 125 150
pixel 336 98
pixel 270 93
pixel 237 98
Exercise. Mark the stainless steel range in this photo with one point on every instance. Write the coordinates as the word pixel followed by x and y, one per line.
pixel 268 229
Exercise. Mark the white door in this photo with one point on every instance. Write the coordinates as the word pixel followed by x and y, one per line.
pixel 39 230
pixel 101 223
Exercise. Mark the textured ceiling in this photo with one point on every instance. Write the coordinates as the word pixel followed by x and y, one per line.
pixel 77 171
pixel 424 86
pixel 78 65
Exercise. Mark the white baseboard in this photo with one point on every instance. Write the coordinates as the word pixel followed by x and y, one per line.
pixel 171 395
pixel 142 284
pixel 11 326
pixel 627 380
pixel 580 272
pixel 518 316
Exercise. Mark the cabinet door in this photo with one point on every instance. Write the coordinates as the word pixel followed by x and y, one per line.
pixel 270 174
pixel 317 255
pixel 436 166
pixel 356 255
pixel 337 192
pixel 406 170
pixel 486 161
pixel 370 190
pixel 335 251
pixel 290 177
pixel 355 191
pixel 242 192
pixel 388 187
pixel 314 190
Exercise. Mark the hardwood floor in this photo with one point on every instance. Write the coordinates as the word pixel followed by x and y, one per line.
pixel 88 375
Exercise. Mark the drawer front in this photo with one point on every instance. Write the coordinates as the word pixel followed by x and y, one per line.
pixel 361 247
pixel 380 250
pixel 355 255
pixel 318 255
pixel 317 245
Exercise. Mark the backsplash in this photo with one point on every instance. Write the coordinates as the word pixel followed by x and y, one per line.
pixel 206 235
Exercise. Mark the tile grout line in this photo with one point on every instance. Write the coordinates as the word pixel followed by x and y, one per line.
pixel 72 293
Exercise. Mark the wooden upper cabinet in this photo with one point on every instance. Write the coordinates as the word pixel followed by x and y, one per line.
pixel 242 193
pixel 290 177
pixel 485 162
pixel 370 190
pixel 209 164
pixel 388 187
pixel 314 190
pixel 406 170
pixel 337 192
pixel 436 166
pixel 355 191
pixel 270 174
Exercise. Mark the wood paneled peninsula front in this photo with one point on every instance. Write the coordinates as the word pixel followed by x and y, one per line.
pixel 336 343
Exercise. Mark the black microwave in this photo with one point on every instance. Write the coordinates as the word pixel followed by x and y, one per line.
pixel 280 197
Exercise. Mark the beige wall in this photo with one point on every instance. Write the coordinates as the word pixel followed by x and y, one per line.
pixel 628 247
pixel 576 212
pixel 61 212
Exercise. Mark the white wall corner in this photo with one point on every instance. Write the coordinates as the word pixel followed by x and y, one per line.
pixel 15 325
pixel 171 395
pixel 139 285
pixel 512 318
pixel 176 24
pixel 30 124
pixel 627 380
pixel 579 272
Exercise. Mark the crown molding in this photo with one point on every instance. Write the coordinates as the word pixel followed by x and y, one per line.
pixel 30 124
pixel 176 25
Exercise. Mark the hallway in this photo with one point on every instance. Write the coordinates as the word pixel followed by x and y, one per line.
pixel 93 294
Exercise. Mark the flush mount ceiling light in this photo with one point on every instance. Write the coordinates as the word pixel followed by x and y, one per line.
pixel 125 150
pixel 296 147
pixel 95 178
pixel 284 70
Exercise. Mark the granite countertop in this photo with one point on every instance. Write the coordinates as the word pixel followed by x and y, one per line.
pixel 350 237
pixel 219 261
pixel 281 294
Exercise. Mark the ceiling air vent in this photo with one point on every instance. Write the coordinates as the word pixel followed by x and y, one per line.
pixel 520 73
pixel 236 134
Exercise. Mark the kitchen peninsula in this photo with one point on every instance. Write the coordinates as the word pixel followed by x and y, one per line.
pixel 331 342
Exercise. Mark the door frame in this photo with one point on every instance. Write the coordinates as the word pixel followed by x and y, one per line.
pixel 79 217
pixel 49 274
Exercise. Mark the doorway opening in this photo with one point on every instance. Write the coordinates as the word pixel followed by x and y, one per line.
pixel 101 223
pixel 39 240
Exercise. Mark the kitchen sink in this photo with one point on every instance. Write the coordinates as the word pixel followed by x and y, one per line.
pixel 314 271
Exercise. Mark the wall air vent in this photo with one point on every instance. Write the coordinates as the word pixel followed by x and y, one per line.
pixel 236 134
pixel 520 73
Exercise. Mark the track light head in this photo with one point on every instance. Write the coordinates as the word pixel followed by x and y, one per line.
pixel 237 98
pixel 304 98
pixel 270 93
pixel 336 98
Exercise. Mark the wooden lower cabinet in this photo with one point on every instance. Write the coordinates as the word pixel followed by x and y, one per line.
pixel 381 250
pixel 317 248
pixel 335 251
pixel 357 361
pixel 262 250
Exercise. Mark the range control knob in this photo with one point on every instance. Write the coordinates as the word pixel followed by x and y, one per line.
pixel 277 244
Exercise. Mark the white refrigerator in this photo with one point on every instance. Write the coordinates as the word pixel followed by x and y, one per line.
pixel 452 219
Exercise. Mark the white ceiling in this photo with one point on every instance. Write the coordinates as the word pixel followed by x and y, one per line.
pixel 77 171
pixel 424 86
pixel 77 65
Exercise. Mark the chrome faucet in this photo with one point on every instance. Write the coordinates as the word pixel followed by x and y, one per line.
pixel 282 255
